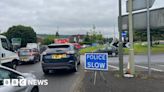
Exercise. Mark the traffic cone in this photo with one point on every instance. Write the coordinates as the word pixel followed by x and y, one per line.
pixel 128 72
pixel 128 69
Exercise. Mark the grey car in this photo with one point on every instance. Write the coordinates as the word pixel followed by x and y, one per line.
pixel 7 73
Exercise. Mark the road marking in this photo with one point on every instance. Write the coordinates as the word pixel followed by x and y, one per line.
pixel 161 65
pixel 154 69
pixel 115 67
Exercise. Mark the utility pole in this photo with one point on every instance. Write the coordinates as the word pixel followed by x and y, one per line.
pixel 131 49
pixel 120 40
pixel 148 38
pixel 0 53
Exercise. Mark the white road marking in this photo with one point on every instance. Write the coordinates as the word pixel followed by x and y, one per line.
pixel 115 67
pixel 154 69
pixel 161 65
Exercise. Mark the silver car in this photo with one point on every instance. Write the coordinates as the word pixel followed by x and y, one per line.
pixel 7 73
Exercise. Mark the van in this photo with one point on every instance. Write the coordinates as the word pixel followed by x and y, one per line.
pixel 7 56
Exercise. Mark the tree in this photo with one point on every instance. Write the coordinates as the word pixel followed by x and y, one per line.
pixel 49 39
pixel 27 34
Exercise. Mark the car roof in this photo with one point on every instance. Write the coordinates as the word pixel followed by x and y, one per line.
pixel 60 44
pixel 2 36
pixel 24 48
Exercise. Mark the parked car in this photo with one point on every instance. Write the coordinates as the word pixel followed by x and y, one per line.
pixel 8 57
pixel 77 45
pixel 111 50
pixel 8 73
pixel 27 55
pixel 60 56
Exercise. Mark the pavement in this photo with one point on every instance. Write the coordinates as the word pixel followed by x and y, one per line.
pixel 110 82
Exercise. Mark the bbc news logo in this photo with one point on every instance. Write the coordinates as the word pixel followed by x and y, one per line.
pixel 24 82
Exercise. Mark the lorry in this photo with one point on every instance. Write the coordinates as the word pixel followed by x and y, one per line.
pixel 7 55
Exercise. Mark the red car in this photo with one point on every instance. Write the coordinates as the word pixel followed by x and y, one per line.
pixel 77 45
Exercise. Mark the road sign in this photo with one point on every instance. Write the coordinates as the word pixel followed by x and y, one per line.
pixel 140 4
pixel 140 20
pixel 124 34
pixel 16 41
pixel 96 61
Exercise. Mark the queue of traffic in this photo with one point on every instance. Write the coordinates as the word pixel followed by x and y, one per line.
pixel 52 57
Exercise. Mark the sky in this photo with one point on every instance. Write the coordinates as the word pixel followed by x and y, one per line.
pixel 68 16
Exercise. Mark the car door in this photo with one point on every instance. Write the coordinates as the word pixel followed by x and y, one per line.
pixel 6 54
pixel 7 74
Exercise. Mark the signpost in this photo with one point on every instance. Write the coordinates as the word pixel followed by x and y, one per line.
pixel 124 34
pixel 121 70
pixel 133 5
pixel 96 62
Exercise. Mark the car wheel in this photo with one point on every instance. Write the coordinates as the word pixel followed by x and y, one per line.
pixel 35 89
pixel 14 65
pixel 46 71
pixel 75 67
pixel 20 63
pixel 79 62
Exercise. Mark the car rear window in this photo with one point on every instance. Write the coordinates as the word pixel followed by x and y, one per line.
pixel 62 47
pixel 24 52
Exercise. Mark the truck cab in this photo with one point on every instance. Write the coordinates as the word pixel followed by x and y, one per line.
pixel 7 56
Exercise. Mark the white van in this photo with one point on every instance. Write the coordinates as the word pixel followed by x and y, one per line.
pixel 7 56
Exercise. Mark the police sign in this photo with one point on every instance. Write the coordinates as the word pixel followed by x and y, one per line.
pixel 96 61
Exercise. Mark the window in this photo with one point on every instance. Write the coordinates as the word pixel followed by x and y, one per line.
pixel 6 74
pixel 5 44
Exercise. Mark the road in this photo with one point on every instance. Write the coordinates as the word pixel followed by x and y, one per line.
pixel 60 81
pixel 65 81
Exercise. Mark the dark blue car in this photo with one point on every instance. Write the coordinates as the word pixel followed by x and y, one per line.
pixel 60 56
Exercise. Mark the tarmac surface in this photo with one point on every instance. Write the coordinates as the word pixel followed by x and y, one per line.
pixel 111 82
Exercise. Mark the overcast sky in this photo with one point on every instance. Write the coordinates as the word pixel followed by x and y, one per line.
pixel 71 16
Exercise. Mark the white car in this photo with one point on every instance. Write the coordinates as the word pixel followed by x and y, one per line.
pixel 8 73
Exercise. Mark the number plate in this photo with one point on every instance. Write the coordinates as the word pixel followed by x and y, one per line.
pixel 58 56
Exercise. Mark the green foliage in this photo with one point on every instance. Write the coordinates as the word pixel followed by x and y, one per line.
pixel 90 49
pixel 27 34
pixel 93 38
pixel 155 35
pixel 49 39
pixel 139 49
